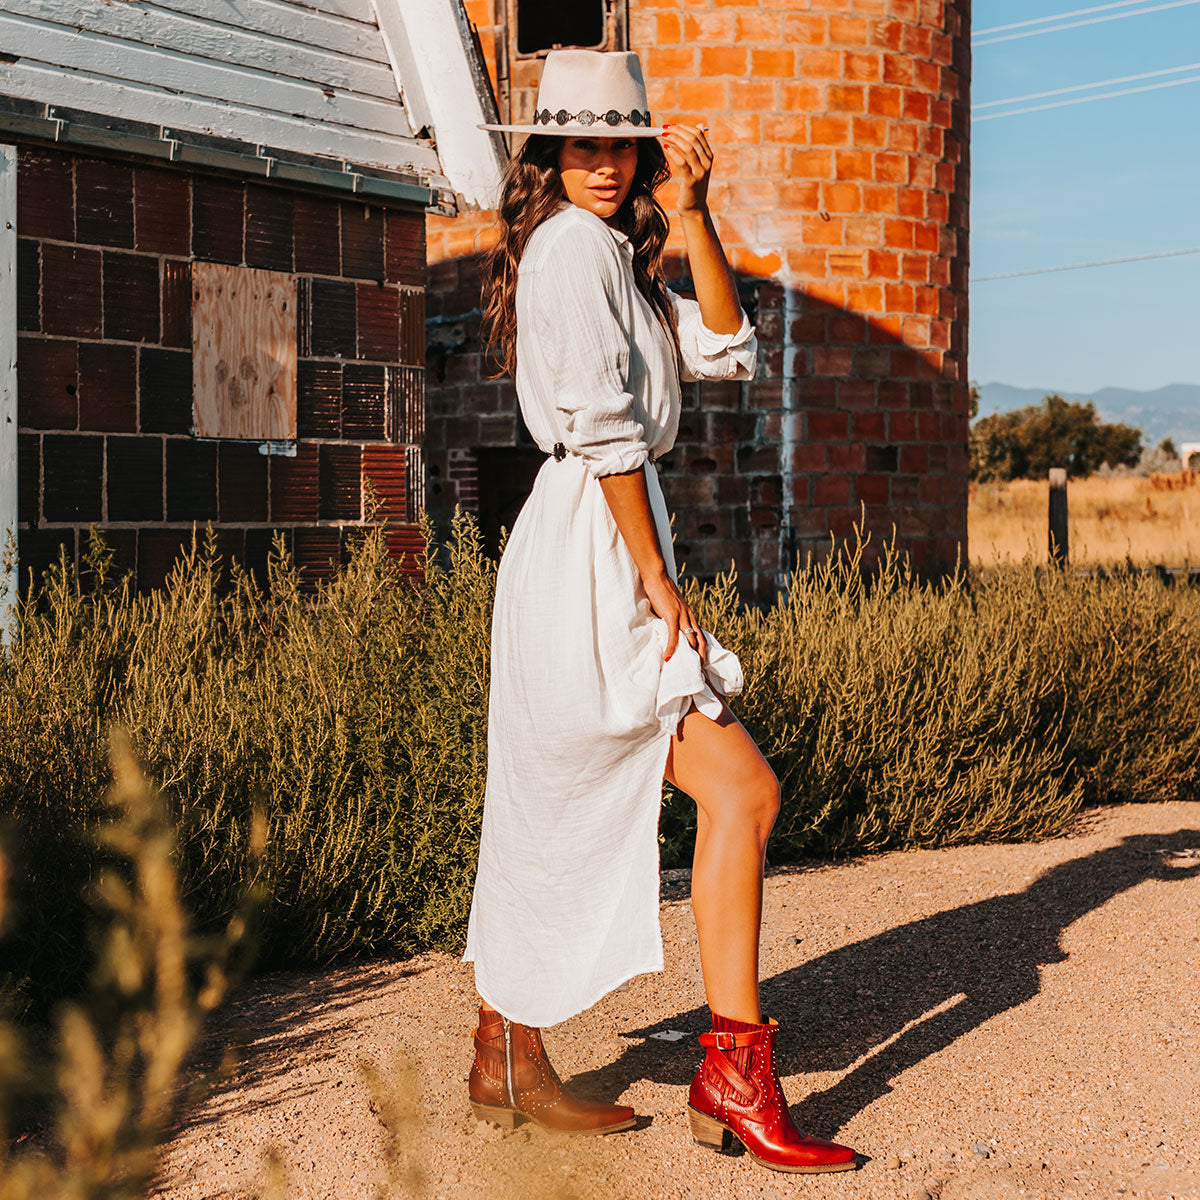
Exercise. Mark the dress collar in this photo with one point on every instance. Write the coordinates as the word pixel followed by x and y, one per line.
pixel 622 239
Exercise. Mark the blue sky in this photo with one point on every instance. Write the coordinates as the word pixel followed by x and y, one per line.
pixel 1099 180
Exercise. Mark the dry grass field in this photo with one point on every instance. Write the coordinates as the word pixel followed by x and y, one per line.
pixel 1146 519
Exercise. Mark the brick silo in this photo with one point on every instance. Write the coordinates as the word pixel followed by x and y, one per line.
pixel 841 195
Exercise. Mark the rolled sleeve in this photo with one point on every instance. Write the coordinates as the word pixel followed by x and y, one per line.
pixel 709 355
pixel 581 302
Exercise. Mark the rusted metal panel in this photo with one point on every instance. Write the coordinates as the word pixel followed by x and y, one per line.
pixel 331 318
pixel 340 473
pixel 319 400
pixel 294 485
pixel 364 402
pixel 406 404
pixel 176 303
pixel 378 322
pixel 386 470
pixel 134 479
pixel 412 326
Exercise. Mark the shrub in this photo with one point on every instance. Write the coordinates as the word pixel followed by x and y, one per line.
pixel 896 713
pixel 1027 442
pixel 356 718
pixel 901 713
pixel 109 1085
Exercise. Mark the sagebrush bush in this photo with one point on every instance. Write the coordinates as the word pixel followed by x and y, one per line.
pixel 357 719
pixel 94 1105
pixel 904 713
pixel 895 712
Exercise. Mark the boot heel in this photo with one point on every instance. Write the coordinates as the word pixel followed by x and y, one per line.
pixel 707 1132
pixel 505 1118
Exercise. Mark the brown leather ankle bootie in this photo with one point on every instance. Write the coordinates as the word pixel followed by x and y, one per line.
pixel 736 1094
pixel 512 1080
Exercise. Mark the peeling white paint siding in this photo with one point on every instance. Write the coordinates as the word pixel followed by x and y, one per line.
pixel 313 78
pixel 430 44
pixel 393 84
pixel 8 388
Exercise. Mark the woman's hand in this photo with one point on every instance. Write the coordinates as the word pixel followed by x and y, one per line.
pixel 691 159
pixel 629 503
pixel 668 603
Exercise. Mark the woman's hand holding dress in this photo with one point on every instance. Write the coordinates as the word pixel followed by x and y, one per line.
pixel 630 506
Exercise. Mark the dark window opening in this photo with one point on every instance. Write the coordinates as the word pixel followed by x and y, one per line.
pixel 506 475
pixel 545 24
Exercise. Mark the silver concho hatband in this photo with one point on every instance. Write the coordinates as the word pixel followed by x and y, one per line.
pixel 586 117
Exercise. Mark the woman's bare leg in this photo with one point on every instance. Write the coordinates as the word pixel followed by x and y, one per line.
pixel 719 765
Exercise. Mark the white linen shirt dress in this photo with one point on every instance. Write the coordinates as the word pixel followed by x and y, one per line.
pixel 581 706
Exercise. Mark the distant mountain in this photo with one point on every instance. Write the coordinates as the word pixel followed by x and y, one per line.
pixel 1172 411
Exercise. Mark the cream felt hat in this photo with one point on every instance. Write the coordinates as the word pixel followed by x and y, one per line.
pixel 596 92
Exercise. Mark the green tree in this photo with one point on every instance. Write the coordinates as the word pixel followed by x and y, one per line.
pixel 1027 442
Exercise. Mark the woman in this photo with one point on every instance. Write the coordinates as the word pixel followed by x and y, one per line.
pixel 602 681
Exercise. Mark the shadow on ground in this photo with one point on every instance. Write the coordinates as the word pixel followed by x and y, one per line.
pixel 271 1021
pixel 913 990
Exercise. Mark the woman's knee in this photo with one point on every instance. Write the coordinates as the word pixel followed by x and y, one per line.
pixel 766 800
pixel 754 803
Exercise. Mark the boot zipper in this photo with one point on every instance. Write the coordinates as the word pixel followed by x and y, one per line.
pixel 508 1062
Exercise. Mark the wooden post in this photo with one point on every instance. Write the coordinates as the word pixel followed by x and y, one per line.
pixel 8 390
pixel 1059 547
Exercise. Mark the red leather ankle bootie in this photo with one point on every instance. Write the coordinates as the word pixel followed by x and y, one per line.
pixel 736 1094
pixel 512 1080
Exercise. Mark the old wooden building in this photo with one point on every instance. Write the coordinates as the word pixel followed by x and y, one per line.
pixel 212 266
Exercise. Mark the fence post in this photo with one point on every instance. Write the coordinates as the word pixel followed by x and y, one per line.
pixel 1059 547
pixel 8 391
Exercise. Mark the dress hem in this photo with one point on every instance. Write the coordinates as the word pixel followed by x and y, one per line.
pixel 597 997
pixel 655 968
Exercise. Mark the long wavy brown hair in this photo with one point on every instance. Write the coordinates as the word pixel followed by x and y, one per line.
pixel 531 191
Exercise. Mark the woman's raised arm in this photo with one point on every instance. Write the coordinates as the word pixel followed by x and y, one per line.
pixel 691 156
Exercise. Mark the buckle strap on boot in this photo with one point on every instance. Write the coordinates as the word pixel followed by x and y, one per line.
pixel 490 1027
pixel 489 1051
pixel 725 1040
pixel 718 1041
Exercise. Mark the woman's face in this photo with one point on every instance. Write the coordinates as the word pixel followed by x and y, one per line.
pixel 597 172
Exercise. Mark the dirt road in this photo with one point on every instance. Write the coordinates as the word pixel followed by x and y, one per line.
pixel 989 1022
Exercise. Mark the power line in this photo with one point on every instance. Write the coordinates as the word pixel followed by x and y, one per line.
pixel 1086 87
pixel 980 38
pixel 1076 12
pixel 1147 87
pixel 1103 262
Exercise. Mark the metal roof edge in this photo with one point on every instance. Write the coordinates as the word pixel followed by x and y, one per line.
pixel 261 164
pixel 452 90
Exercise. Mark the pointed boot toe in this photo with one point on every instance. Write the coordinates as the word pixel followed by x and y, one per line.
pixel 512 1081
pixel 736 1093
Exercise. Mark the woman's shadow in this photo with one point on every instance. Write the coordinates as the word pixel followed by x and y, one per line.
pixel 913 990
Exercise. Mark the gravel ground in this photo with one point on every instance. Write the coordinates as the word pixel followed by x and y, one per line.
pixel 982 1023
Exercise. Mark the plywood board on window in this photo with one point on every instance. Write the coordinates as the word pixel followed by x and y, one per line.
pixel 243 352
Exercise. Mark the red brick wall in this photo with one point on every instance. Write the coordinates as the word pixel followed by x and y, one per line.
pixel 841 195
pixel 104 370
